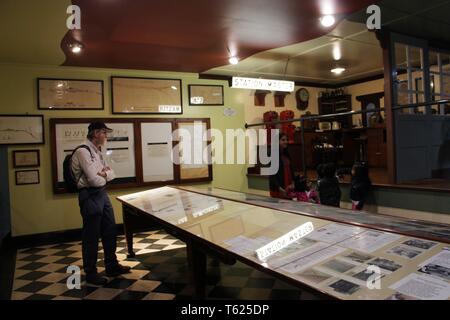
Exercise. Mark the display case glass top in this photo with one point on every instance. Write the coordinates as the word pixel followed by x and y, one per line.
pixel 332 259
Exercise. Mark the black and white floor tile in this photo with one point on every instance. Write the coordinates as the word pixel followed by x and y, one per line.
pixel 159 272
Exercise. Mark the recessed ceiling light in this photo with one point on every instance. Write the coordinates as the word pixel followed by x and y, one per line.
pixel 338 70
pixel 327 21
pixel 76 47
pixel 233 60
pixel 337 54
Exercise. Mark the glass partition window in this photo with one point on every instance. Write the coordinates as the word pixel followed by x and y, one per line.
pixel 409 77
pixel 440 80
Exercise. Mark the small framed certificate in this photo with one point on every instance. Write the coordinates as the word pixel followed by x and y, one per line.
pixel 205 95
pixel 25 177
pixel 26 158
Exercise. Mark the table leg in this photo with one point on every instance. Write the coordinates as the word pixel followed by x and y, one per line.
pixel 128 232
pixel 197 266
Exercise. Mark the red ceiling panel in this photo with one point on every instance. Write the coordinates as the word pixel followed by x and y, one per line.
pixel 192 35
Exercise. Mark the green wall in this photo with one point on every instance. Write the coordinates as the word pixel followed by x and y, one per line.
pixel 34 208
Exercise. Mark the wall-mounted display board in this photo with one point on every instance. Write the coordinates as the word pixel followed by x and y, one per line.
pixel 140 151
pixel 21 129
pixel 146 95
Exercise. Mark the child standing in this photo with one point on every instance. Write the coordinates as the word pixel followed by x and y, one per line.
pixel 360 185
pixel 328 185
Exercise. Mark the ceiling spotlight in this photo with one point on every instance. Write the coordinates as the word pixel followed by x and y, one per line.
pixel 338 70
pixel 233 60
pixel 327 21
pixel 76 47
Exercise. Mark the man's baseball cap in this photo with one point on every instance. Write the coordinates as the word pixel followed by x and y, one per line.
pixel 99 125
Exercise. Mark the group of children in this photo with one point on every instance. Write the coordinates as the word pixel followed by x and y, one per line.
pixel 328 191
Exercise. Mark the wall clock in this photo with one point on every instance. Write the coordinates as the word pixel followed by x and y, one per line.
pixel 302 97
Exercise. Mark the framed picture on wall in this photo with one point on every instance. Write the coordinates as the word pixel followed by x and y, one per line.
pixel 21 129
pixel 205 95
pixel 120 151
pixel 26 158
pixel 193 167
pixel 70 94
pixel 25 177
pixel 146 96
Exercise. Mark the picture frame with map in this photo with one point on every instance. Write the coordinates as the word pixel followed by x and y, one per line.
pixel 21 129
pixel 146 96
pixel 70 94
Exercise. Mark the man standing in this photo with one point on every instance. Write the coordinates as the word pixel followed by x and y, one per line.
pixel 92 173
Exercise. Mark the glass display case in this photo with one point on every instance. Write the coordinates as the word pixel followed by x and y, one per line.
pixel 333 259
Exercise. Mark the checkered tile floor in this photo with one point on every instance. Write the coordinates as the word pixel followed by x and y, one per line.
pixel 159 272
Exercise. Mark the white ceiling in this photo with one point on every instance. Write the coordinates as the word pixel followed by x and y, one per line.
pixel 311 61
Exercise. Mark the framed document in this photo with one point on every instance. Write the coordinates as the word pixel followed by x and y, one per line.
pixel 27 177
pixel 120 152
pixel 26 158
pixel 157 144
pixel 194 149
pixel 146 96
pixel 205 95
pixel 70 94
pixel 21 129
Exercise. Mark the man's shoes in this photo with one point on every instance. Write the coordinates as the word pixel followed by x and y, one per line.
pixel 97 280
pixel 117 270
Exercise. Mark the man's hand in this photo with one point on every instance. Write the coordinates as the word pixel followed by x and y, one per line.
pixel 102 173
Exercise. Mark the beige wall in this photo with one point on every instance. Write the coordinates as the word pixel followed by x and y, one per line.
pixel 363 89
pixel 34 208
pixel 254 114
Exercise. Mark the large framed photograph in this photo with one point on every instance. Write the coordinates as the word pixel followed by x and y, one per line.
pixel 21 129
pixel 70 94
pixel 25 177
pixel 120 152
pixel 26 158
pixel 205 95
pixel 146 96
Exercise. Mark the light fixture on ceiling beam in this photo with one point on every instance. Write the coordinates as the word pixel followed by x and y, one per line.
pixel 262 84
pixel 76 47
pixel 338 70
pixel 233 60
pixel 327 21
